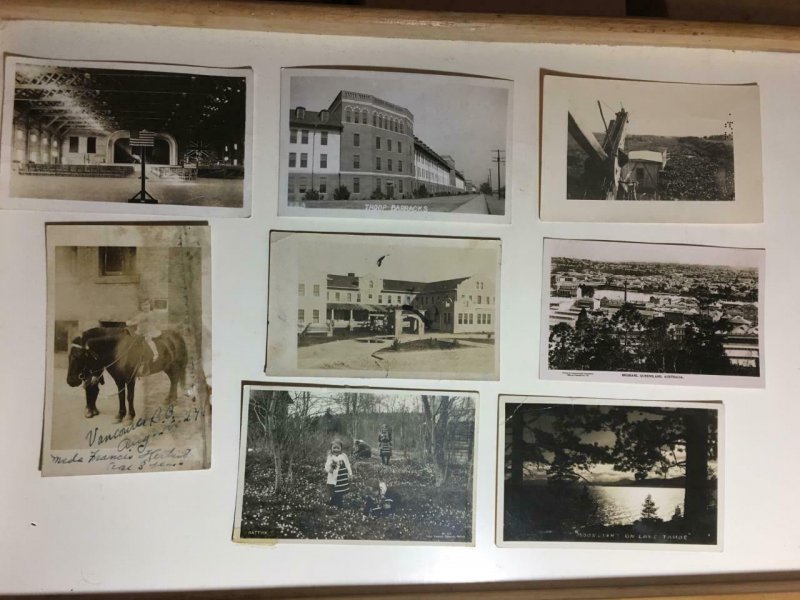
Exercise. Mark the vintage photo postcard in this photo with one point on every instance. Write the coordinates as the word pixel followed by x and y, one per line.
pixel 128 349
pixel 126 138
pixel 351 305
pixel 644 151
pixel 652 313
pixel 609 473
pixel 393 144
pixel 358 465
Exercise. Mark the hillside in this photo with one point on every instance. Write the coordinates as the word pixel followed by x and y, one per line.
pixel 697 168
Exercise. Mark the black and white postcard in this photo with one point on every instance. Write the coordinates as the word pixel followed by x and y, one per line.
pixel 643 151
pixel 609 473
pixel 358 465
pixel 126 138
pixel 129 349
pixel 652 313
pixel 391 144
pixel 350 305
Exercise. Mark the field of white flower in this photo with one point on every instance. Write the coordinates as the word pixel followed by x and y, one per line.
pixel 299 509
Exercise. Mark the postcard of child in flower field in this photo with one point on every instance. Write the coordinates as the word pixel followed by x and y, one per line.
pixel 356 465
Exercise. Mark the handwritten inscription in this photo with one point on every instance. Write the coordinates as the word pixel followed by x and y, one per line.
pixel 136 446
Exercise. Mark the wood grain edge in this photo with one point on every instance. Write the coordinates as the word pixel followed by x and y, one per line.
pixel 735 586
pixel 252 15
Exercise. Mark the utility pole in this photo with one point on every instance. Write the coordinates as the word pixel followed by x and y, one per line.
pixel 498 158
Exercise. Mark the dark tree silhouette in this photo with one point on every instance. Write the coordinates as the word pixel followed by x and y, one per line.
pixel 647 443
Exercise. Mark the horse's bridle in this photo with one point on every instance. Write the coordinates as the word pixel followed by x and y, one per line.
pixel 89 376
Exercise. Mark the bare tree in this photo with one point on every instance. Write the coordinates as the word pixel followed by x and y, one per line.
pixel 270 410
pixel 438 412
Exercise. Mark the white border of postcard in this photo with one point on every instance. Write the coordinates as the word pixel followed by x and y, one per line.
pixel 753 257
pixel 742 103
pixel 247 386
pixel 79 461
pixel 504 399
pixel 60 205
pixel 401 211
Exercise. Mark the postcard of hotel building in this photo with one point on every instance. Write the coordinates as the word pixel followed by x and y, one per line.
pixel 652 313
pixel 383 306
pixel 642 151
pixel 389 144
pixel 146 139
pixel 596 473
pixel 129 349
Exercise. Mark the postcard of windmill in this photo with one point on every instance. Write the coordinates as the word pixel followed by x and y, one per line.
pixel 383 305
pixel 128 385
pixel 642 151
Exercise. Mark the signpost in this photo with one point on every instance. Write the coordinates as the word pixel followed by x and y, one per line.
pixel 143 139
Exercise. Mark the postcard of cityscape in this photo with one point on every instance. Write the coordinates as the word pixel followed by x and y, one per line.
pixel 604 473
pixel 129 359
pixel 652 313
pixel 383 306
pixel 666 151
pixel 391 144
pixel 334 464
pixel 125 137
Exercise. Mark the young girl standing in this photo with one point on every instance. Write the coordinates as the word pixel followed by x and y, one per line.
pixel 385 443
pixel 337 466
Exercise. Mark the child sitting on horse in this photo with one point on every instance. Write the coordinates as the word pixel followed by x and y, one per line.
pixel 145 325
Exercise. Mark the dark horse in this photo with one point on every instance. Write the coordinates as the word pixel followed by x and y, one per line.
pixel 125 357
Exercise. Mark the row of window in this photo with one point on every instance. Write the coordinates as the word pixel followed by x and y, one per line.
pixel 301 289
pixel 467 319
pixel 398 145
pixel 302 185
pixel 340 296
pixel 74 142
pixel 463 318
pixel 348 297
pixel 379 163
pixel 323 136
pixel 361 115
pixel 323 160
pixel 301 315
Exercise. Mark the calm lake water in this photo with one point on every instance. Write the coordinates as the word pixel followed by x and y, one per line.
pixel 623 505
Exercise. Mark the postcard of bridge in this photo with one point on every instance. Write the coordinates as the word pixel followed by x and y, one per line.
pixel 652 313
pixel 356 465
pixel 93 136
pixel 383 306
pixel 129 349
pixel 600 473
pixel 644 151
pixel 394 145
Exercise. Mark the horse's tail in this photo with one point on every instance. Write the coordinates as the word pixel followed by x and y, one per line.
pixel 175 354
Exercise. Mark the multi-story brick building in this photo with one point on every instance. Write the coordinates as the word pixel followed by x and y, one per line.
pixel 376 151
pixel 460 305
